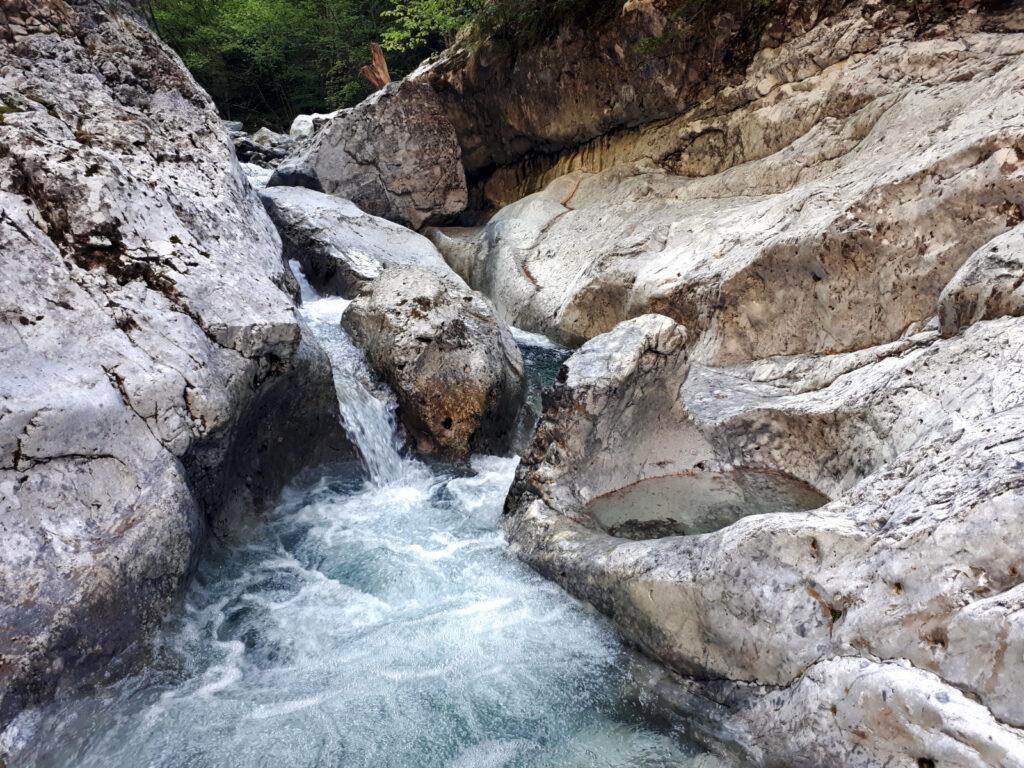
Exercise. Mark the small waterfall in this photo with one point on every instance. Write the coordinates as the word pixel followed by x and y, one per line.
pixel 368 419
pixel 369 624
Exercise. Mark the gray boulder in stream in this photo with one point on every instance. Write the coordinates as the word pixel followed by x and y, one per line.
pixel 339 246
pixel 454 366
pixel 151 351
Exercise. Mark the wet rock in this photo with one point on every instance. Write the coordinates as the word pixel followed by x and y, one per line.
pixel 903 588
pixel 394 155
pixel 248 151
pixel 455 368
pixel 340 247
pixel 150 353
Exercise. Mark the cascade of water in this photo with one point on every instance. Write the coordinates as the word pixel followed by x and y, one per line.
pixel 368 624
pixel 368 419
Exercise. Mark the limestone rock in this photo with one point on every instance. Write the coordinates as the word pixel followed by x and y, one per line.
pixel 394 155
pixel 990 284
pixel 866 619
pixel 268 138
pixel 304 126
pixel 823 215
pixel 149 351
pixel 257 175
pixel 456 370
pixel 340 247
pixel 620 65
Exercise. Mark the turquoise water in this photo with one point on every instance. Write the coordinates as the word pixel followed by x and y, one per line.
pixel 375 619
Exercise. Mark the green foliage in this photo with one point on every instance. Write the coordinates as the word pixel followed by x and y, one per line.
pixel 520 23
pixel 265 61
pixel 416 23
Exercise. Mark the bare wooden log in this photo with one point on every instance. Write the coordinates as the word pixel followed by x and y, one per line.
pixel 377 73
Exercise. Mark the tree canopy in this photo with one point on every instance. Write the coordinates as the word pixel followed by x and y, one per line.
pixel 265 61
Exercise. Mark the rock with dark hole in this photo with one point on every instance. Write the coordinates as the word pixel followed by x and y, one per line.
pixel 454 366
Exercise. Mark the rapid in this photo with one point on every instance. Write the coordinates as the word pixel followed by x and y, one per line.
pixel 373 618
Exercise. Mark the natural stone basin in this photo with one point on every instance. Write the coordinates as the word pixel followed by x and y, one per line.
pixel 700 501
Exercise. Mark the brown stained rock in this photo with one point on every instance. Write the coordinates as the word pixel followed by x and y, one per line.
pixel 455 368
pixel 820 205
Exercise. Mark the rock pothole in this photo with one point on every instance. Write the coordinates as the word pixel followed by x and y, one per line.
pixel 699 501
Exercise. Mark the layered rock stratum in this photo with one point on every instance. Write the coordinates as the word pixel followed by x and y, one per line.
pixel 855 168
pixel 151 351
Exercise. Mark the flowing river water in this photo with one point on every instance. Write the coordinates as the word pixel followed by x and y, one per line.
pixel 374 619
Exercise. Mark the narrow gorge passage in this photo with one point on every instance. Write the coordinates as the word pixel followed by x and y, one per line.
pixel 376 619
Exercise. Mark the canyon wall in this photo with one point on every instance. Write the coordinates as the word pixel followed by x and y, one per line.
pixel 152 357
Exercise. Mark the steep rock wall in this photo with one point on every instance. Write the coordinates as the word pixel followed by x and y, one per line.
pixel 871 164
pixel 151 348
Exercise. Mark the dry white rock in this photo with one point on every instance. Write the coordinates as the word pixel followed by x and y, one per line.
pixel 858 627
pixel 304 126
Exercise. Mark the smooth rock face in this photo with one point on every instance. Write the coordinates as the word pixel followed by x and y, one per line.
pixel 340 247
pixel 851 633
pixel 455 368
pixel 150 355
pixel 820 206
pixel 394 155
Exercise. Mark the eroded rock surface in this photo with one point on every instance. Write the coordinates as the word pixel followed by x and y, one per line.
pixel 989 284
pixel 394 155
pixel 820 205
pixel 455 368
pixel 339 246
pixel 150 352
pixel 868 619
pixel 619 65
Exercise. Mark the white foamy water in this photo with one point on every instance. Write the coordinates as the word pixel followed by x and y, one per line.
pixel 375 620
pixel 369 420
